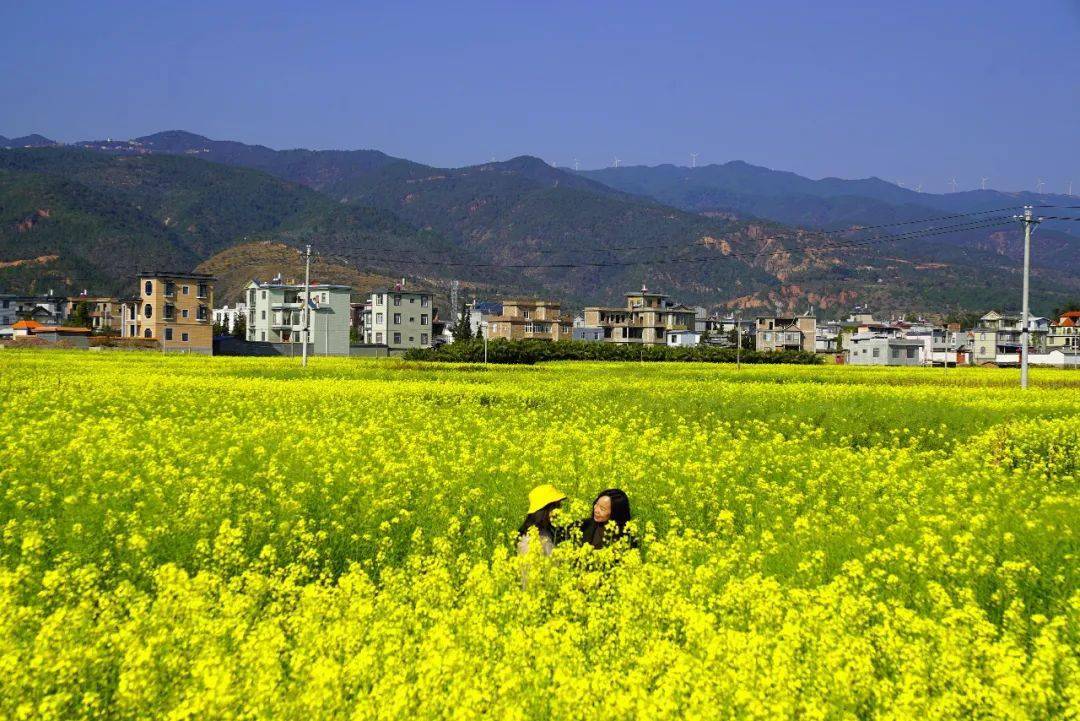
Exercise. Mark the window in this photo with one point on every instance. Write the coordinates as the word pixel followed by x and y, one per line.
pixel 251 297
pixel 397 338
pixel 423 319
pixel 423 339
pixel 895 352
pixel 397 318
pixel 412 339
pixel 184 289
pixel 397 299
pixel 423 301
pixel 378 337
pixel 204 290
pixel 170 288
pixel 201 313
pixel 148 333
pixel 131 331
pixel 378 317
pixel 148 289
pixel 184 313
pixel 412 299
pixel 264 295
pixel 148 310
pixel 263 335
pixel 768 336
pixel 168 334
pixel 526 314
pixel 170 312
pixel 412 318
pixel 910 352
pixel 877 352
pixel 378 299
pixel 263 315
pixel 183 337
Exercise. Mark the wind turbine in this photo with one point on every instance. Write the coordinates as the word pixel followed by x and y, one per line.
pixel 918 188
pixel 575 164
pixel 1039 185
pixel 1068 191
pixel 617 161
pixel 693 160
pixel 953 184
pixel 982 182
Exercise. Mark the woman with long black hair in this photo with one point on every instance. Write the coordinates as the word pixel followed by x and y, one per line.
pixel 611 512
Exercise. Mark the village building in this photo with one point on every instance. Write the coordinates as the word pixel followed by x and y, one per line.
pixel 646 318
pixel 173 308
pixel 523 318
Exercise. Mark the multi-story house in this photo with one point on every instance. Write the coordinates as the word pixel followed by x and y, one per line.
pixel 646 318
pixel 1065 333
pixel 884 350
pixel 106 313
pixel 997 338
pixel 777 333
pixel 524 318
pixel 45 309
pixel 275 314
pixel 399 318
pixel 174 309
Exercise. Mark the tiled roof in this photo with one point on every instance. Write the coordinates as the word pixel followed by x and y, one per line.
pixel 31 324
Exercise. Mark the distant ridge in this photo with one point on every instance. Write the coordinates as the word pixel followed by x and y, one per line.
pixel 27 141
pixel 720 236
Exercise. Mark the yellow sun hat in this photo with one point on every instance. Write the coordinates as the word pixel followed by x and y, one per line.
pixel 543 495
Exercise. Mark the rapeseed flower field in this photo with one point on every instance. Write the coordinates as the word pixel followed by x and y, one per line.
pixel 216 538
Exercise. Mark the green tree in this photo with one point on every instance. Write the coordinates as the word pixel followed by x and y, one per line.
pixel 462 330
pixel 239 329
pixel 80 316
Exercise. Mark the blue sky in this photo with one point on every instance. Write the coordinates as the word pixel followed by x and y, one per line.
pixel 917 91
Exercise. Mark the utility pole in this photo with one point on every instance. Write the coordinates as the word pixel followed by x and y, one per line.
pixel 1025 333
pixel 738 341
pixel 305 314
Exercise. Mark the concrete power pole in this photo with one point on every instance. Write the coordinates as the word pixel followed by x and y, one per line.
pixel 1025 333
pixel 305 314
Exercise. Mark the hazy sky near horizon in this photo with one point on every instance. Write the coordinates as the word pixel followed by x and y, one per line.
pixel 917 92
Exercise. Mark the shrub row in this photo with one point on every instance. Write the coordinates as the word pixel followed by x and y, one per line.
pixel 534 351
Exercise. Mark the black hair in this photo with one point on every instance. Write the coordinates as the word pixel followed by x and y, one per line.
pixel 620 506
pixel 541 520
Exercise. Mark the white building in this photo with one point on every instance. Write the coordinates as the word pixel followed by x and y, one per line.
pixel 884 350
pixel 399 318
pixel 683 338
pixel 274 315
pixel 226 316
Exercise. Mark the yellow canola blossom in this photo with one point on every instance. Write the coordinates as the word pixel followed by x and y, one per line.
pixel 215 538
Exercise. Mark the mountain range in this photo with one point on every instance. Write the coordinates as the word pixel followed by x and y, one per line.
pixel 723 235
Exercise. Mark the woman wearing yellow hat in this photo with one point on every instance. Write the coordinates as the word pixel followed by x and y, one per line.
pixel 542 501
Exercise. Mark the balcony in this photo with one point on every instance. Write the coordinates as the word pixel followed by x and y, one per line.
pixel 287 305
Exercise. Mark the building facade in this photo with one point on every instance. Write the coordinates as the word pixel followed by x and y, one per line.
pixel 106 313
pixel 527 318
pixel 779 333
pixel 275 314
pixel 399 318
pixel 997 338
pixel 1064 333
pixel 646 319
pixel 174 309
pixel 882 350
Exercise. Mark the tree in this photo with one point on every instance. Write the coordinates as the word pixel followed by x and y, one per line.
pixel 80 316
pixel 1070 306
pixel 462 330
pixel 239 329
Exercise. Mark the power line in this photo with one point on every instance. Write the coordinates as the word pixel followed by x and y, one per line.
pixel 664 261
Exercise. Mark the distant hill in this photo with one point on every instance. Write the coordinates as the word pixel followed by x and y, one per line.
pixel 829 203
pixel 522 226
pixel 27 141
pixel 238 265
pixel 101 218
